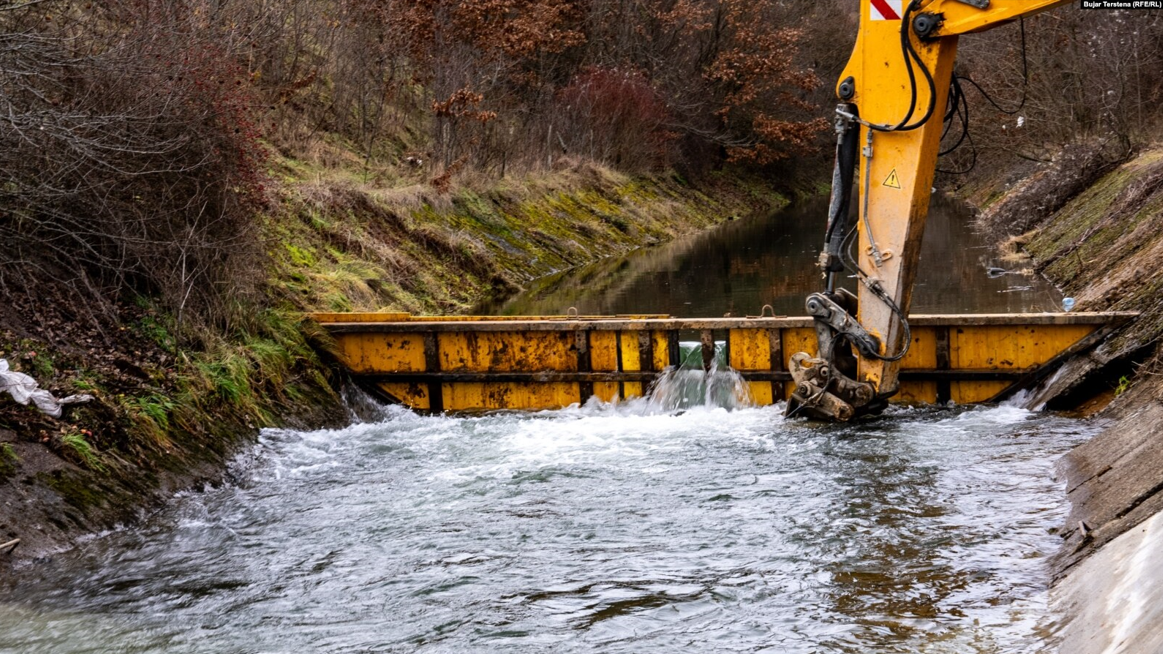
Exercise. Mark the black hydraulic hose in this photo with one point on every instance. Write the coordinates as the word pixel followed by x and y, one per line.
pixel 908 67
pixel 962 114
pixel 959 103
pixel 854 267
pixel 911 55
pixel 1025 80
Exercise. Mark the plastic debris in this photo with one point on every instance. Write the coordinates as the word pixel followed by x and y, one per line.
pixel 24 389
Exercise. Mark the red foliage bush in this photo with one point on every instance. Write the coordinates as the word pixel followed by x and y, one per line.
pixel 615 115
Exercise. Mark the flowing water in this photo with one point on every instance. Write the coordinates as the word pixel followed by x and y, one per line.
pixel 687 522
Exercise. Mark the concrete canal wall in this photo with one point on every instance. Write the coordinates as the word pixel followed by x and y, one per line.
pixel 1092 221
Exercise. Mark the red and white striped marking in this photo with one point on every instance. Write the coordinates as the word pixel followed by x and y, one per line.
pixel 887 9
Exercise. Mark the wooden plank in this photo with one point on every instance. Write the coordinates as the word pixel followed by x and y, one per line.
pixel 761 393
pixel 640 376
pixel 507 351
pixel 381 352
pixel 750 349
pixel 660 346
pixel 922 355
pixel 631 361
pixel 495 395
pixel 603 350
pixel 954 375
pixel 606 391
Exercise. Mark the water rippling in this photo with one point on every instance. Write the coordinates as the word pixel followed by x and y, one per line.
pixel 614 528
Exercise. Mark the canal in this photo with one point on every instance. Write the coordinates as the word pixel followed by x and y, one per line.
pixel 627 528
pixel 743 265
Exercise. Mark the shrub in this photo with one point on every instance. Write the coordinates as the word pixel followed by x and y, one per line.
pixel 131 161
pixel 616 116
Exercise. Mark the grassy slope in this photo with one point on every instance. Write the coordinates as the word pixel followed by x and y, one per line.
pixel 1104 247
pixel 169 415
pixel 341 245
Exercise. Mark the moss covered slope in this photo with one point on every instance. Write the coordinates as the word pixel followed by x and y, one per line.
pixel 341 245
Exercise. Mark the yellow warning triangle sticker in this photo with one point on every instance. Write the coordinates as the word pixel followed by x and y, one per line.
pixel 893 180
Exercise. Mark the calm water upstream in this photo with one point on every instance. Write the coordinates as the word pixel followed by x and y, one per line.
pixel 741 266
pixel 627 528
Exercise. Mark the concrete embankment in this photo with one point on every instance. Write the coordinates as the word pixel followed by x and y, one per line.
pixel 1112 594
pixel 1092 222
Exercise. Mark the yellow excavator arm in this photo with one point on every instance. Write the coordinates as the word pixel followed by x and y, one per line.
pixel 888 141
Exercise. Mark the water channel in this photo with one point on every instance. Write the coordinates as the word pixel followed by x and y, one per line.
pixel 628 528
pixel 743 265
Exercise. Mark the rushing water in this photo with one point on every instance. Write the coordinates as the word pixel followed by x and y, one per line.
pixel 687 522
pixel 612 529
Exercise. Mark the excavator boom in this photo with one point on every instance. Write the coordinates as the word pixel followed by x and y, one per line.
pixel 893 94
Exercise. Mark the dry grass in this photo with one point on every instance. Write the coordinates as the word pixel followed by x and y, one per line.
pixel 1013 248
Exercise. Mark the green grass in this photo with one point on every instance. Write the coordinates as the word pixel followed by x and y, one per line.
pixel 153 329
pixel 301 256
pixel 1123 386
pixel 8 461
pixel 157 408
pixel 265 368
pixel 228 377
pixel 76 442
pixel 43 366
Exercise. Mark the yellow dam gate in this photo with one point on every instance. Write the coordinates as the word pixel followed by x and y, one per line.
pixel 440 364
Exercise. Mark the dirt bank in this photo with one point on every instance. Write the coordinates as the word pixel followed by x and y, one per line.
pixel 171 410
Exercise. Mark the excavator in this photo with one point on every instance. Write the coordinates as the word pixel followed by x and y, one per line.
pixel 850 356
pixel 893 94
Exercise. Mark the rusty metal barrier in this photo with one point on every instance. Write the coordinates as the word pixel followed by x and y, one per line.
pixel 477 363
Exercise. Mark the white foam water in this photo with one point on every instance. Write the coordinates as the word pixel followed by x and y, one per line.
pixel 689 385
pixel 700 525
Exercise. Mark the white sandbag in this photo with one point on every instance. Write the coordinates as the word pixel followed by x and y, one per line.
pixel 24 389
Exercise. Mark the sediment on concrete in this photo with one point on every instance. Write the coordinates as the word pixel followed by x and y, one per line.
pixel 1114 599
